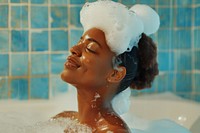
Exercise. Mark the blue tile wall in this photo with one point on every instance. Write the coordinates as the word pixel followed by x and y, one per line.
pixel 4 40
pixel 77 1
pixel 21 91
pixel 36 35
pixel 165 82
pixel 183 82
pixel 4 64
pixel 197 38
pixel 39 1
pixel 19 16
pixel 182 39
pixel 183 2
pixel 183 21
pixel 196 18
pixel 3 88
pixel 39 88
pixel 39 16
pixel 59 16
pixel 19 1
pixel 197 60
pixel 183 60
pixel 75 20
pixel 164 2
pixel 196 2
pixel 57 85
pixel 39 65
pixel 57 61
pixel 39 41
pixel 165 16
pixel 59 2
pixel 59 40
pixel 3 1
pixel 165 42
pixel 19 41
pixel 149 2
pixel 3 16
pixel 128 2
pixel 164 59
pixel 197 83
pixel 19 64
pixel 75 36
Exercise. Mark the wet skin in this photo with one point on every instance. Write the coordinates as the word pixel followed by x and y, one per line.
pixel 89 68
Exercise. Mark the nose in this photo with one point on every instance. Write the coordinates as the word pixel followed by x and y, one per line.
pixel 76 50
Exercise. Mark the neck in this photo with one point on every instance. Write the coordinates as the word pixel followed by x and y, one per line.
pixel 91 104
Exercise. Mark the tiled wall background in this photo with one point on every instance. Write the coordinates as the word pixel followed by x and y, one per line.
pixel 35 36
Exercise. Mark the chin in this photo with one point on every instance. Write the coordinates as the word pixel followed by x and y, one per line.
pixel 66 77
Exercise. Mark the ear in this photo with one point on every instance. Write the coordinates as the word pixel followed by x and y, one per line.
pixel 117 74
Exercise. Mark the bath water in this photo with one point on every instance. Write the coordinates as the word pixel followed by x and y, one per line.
pixel 35 117
pixel 19 123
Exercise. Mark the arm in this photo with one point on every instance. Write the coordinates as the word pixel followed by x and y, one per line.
pixel 67 114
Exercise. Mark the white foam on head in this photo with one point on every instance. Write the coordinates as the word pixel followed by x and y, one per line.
pixel 120 25
pixel 149 17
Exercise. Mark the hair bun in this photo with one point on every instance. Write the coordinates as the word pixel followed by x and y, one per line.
pixel 149 17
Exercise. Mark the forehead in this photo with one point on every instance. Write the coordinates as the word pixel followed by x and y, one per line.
pixel 99 36
pixel 96 34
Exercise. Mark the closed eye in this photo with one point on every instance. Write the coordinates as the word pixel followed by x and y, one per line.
pixel 92 47
pixel 89 50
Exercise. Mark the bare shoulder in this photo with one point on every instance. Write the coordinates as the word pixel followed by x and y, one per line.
pixel 67 114
pixel 114 124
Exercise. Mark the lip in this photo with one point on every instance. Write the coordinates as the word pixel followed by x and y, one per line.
pixel 72 63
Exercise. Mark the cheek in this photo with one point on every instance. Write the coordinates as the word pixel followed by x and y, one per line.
pixel 97 66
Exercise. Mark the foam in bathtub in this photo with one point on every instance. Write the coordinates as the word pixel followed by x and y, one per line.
pixel 72 126
pixel 59 125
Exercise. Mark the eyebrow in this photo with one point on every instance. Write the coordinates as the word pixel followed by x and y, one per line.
pixel 92 40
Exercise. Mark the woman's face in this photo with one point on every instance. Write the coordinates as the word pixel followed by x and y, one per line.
pixel 90 61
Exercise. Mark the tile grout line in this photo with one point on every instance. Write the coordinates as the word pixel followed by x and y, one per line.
pixel 9 48
pixel 174 11
pixel 49 50
pixel 69 29
pixel 193 52
pixel 171 50
pixel 29 51
pixel 156 8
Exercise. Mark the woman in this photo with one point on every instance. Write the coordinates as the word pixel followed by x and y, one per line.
pixel 100 69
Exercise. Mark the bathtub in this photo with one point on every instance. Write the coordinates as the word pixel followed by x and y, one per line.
pixel 143 108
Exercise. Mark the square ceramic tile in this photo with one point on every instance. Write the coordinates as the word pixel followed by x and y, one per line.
pixel 4 66
pixel 75 16
pixel 59 40
pixel 4 39
pixel 39 41
pixel 19 89
pixel 39 64
pixel 19 41
pixel 19 16
pixel 39 88
pixel 39 17
pixel 3 16
pixel 3 88
pixel 57 63
pixel 19 64
pixel 59 15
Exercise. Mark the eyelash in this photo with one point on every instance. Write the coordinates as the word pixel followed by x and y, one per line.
pixel 88 50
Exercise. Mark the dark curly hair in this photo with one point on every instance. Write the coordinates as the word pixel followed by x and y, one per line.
pixel 141 65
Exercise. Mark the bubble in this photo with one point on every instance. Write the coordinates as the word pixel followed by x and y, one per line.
pixel 120 25
pixel 114 20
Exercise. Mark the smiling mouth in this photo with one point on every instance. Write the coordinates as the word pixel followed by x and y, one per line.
pixel 72 63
